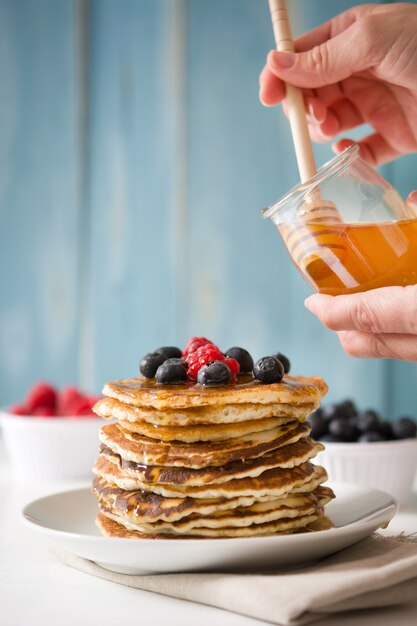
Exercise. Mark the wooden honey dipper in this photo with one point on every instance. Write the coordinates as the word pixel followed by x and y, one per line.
pixel 308 240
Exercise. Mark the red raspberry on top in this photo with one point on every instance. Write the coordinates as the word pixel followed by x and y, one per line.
pixel 206 354
pixel 193 345
pixel 203 355
pixel 233 365
pixel 41 395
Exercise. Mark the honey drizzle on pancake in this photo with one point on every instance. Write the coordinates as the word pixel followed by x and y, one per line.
pixel 147 392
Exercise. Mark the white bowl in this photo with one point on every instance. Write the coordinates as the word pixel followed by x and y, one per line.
pixel 389 465
pixel 46 449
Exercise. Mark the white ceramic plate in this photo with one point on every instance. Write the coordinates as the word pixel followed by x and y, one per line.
pixel 67 518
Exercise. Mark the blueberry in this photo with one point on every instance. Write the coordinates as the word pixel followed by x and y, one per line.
pixel 404 428
pixel 332 411
pixel 150 363
pixel 343 428
pixel 243 357
pixel 368 420
pixel 172 371
pixel 385 428
pixel 348 407
pixel 329 412
pixel 284 360
pixel 214 374
pixel 170 352
pixel 371 436
pixel 268 370
pixel 318 424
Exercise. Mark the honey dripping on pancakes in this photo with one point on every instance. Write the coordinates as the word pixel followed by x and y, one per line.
pixel 344 258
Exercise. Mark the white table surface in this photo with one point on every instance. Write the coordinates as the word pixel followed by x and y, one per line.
pixel 35 589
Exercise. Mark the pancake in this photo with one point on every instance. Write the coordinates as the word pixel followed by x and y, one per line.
pixel 110 528
pixel 285 525
pixel 272 482
pixel 144 509
pixel 145 476
pixel 140 508
pixel 151 507
pixel 204 432
pixel 318 477
pixel 258 513
pixel 109 408
pixel 147 392
pixel 324 494
pixel 141 449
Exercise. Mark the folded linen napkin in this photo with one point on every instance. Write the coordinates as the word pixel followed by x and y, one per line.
pixel 378 571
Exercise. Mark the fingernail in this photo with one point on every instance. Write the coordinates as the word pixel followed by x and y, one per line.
pixel 309 304
pixel 316 111
pixel 341 145
pixel 283 60
pixel 261 98
pixel 322 134
pixel 412 197
pixel 311 114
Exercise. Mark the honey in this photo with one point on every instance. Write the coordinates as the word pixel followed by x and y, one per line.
pixel 344 258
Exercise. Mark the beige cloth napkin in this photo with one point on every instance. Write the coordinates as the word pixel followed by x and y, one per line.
pixel 378 571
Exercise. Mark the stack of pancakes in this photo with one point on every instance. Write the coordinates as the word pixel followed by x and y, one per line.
pixel 191 461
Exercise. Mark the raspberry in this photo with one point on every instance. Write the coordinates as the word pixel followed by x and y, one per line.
pixel 233 365
pixel 206 354
pixel 19 409
pixel 44 401
pixel 44 411
pixel 82 408
pixel 68 400
pixel 203 355
pixel 194 344
pixel 41 394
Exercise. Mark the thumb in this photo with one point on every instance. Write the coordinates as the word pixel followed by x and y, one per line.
pixel 352 50
pixel 383 310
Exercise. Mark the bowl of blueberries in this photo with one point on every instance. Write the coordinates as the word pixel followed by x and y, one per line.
pixel 363 448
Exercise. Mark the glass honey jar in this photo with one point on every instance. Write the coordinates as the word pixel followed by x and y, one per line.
pixel 347 229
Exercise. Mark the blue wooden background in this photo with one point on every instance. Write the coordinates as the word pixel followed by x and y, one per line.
pixel 134 160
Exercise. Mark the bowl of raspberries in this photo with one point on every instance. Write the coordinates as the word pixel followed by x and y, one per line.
pixel 51 435
pixel 363 448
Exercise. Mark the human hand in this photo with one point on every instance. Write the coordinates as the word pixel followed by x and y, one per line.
pixel 377 324
pixel 360 67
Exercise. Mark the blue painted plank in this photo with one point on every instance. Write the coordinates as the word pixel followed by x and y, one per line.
pixel 403 376
pixel 135 61
pixel 39 194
